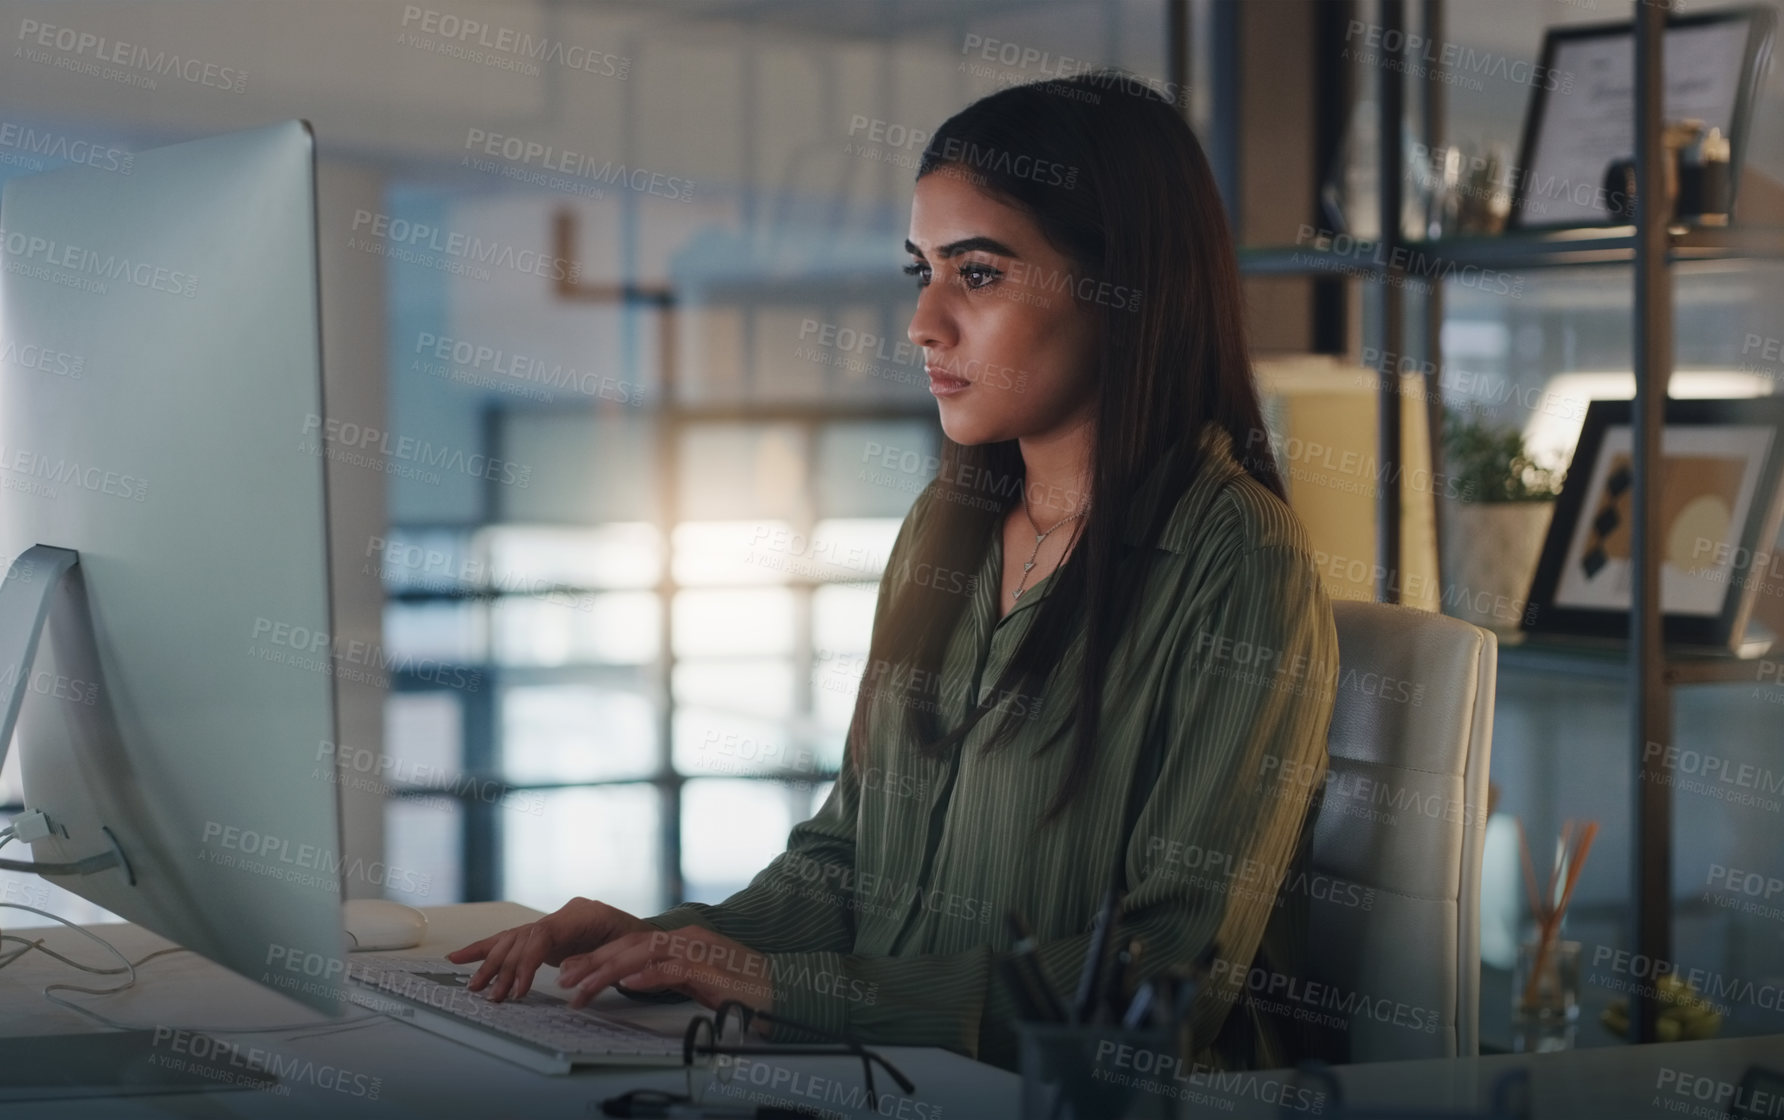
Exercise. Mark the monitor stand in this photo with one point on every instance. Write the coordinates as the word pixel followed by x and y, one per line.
pixel 29 592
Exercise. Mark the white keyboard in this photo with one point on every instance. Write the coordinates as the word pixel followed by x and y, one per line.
pixel 538 1031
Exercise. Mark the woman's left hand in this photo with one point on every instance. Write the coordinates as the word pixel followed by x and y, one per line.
pixel 707 966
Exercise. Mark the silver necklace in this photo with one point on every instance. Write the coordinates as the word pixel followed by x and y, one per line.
pixel 1038 538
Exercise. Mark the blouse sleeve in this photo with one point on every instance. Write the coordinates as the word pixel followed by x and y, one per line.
pixel 1243 739
pixel 804 898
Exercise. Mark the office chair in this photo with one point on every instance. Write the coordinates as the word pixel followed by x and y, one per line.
pixel 1403 818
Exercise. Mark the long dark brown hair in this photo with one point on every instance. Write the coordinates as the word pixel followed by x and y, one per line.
pixel 1113 176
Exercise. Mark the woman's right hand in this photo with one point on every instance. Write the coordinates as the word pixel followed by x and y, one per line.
pixel 511 957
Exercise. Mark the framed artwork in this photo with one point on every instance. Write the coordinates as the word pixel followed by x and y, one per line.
pixel 1582 106
pixel 1720 506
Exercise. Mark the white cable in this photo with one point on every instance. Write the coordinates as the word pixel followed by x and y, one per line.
pixel 90 936
pixel 38 945
pixel 130 968
pixel 28 946
pixel 6 835
pixel 71 963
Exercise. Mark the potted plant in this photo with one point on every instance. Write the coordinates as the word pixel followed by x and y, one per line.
pixel 1493 532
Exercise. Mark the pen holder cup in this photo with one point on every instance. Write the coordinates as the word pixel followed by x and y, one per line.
pixel 1097 1072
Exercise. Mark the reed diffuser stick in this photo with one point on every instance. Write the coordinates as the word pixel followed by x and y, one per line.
pixel 1569 860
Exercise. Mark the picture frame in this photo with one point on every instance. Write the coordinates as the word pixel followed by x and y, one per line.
pixel 1582 106
pixel 1721 498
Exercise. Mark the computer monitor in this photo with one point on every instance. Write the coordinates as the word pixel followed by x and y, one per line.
pixel 160 396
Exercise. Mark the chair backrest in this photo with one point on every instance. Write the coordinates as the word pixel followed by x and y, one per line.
pixel 1403 819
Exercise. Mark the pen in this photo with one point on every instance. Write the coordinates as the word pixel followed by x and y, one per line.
pixel 1138 1008
pixel 1033 981
pixel 1027 1005
pixel 1090 980
pixel 1191 984
pixel 1182 995
pixel 1124 966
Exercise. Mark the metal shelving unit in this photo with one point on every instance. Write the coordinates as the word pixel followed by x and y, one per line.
pixel 1652 247
pixel 1565 248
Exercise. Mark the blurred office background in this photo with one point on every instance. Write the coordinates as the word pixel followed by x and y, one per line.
pixel 652 271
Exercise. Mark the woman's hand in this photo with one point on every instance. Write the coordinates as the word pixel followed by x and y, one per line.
pixel 708 966
pixel 511 957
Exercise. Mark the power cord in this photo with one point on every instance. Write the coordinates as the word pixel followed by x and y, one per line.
pixel 129 968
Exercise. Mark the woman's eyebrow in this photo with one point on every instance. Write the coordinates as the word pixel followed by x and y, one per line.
pixel 964 245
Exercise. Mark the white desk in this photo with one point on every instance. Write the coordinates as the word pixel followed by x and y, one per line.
pixel 1610 1083
pixel 422 1075
pixel 417 1074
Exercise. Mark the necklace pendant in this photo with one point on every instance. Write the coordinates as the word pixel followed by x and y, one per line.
pixel 1016 594
pixel 1028 565
pixel 1039 537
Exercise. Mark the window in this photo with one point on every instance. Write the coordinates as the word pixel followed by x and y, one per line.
pixel 645 721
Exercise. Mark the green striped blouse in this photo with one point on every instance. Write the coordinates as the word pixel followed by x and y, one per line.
pixel 883 919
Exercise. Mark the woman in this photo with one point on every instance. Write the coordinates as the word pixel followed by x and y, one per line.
pixel 1100 639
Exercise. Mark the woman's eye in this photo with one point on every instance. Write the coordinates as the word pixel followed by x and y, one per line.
pixel 972 276
pixel 969 271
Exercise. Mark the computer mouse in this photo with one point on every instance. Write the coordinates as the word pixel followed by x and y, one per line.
pixel 374 923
